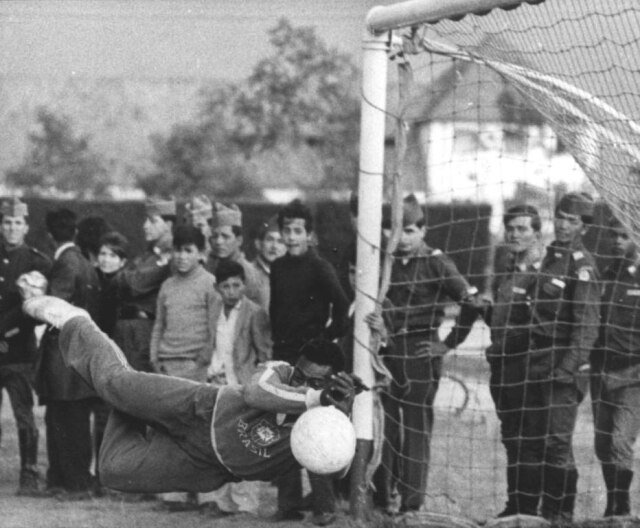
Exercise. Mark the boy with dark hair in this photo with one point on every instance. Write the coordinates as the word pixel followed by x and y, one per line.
pixel 186 301
pixel 307 302
pixel 242 341
pixel 67 398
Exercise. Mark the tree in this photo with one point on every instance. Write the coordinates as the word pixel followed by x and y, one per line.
pixel 303 93
pixel 196 159
pixel 59 160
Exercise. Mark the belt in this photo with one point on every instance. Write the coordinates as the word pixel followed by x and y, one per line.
pixel 129 313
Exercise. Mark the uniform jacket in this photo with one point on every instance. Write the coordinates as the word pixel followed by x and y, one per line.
pixel 510 315
pixel 139 285
pixel 618 344
pixel 73 279
pixel 16 329
pixel 252 338
pixel 566 309
pixel 422 285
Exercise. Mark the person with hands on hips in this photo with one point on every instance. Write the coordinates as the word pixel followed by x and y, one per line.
pixel 423 281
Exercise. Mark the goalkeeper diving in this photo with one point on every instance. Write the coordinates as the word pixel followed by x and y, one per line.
pixel 171 434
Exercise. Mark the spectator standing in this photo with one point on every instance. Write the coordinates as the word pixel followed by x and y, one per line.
pixel 509 318
pixel 565 326
pixel 199 211
pixel 90 230
pixel 269 247
pixel 138 287
pixel 226 244
pixel 242 341
pixel 422 282
pixel 67 397
pixel 17 336
pixel 111 258
pixel 185 301
pixel 307 302
pixel 615 371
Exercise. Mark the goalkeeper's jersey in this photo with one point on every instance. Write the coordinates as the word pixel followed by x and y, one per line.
pixel 253 443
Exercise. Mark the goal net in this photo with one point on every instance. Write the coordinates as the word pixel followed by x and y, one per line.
pixel 484 112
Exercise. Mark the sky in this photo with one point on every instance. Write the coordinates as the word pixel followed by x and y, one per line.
pixel 161 38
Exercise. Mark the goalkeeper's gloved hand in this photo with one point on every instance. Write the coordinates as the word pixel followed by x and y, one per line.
pixel 341 391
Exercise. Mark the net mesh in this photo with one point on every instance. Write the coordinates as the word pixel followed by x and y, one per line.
pixel 512 107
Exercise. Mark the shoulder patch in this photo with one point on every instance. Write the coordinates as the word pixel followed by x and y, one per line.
pixel 584 274
pixel 436 252
pixel 577 255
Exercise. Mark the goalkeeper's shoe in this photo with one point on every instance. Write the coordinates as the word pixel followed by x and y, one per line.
pixel 52 310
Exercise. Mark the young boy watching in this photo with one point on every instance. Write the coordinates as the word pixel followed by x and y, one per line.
pixel 185 301
pixel 242 341
pixel 307 302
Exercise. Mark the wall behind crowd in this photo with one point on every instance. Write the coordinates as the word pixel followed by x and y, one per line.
pixel 462 230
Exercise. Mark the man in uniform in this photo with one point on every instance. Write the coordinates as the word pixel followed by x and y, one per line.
pixel 509 317
pixel 226 243
pixel 422 281
pixel 17 337
pixel 615 371
pixel 202 436
pixel 138 287
pixel 565 321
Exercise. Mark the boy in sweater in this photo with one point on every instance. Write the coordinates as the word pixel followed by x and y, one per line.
pixel 307 302
pixel 186 301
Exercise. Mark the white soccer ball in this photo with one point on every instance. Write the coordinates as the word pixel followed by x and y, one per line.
pixel 323 440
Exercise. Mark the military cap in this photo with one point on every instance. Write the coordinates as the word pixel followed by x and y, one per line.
pixel 412 211
pixel 226 216
pixel 614 223
pixel 14 207
pixel 160 207
pixel 199 206
pixel 266 227
pixel 574 203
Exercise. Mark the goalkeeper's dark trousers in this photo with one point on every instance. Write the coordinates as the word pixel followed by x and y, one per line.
pixel 176 453
pixel 408 423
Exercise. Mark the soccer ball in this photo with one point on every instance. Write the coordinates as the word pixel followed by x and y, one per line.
pixel 323 440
